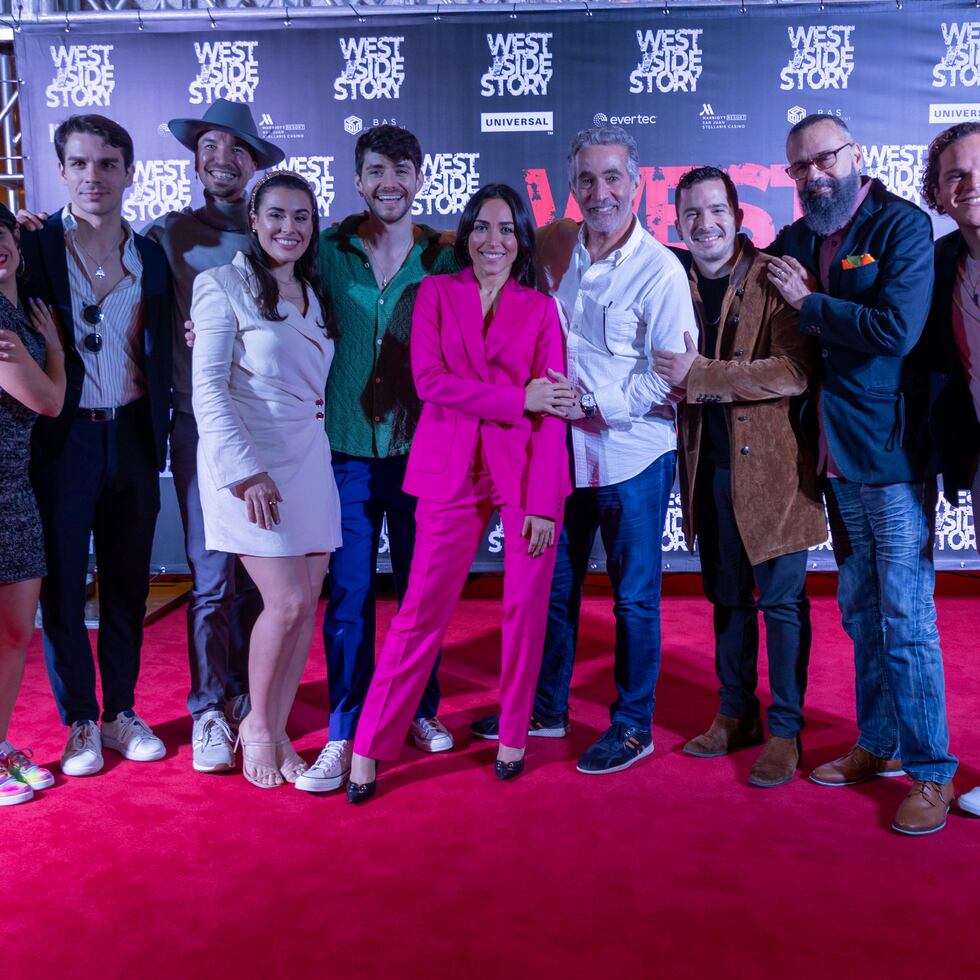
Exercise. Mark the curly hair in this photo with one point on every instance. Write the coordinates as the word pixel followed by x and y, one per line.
pixel 930 175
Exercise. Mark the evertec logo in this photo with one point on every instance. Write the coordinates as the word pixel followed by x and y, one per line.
pixel 517 122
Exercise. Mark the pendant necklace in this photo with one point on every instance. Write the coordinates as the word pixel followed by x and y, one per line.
pixel 386 277
pixel 100 272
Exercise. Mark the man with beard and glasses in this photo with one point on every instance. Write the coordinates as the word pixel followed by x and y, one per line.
pixel 748 475
pixel 622 295
pixel 371 265
pixel 870 256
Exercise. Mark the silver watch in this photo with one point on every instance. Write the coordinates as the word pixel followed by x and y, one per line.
pixel 588 404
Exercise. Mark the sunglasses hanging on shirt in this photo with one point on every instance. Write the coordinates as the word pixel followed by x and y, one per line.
pixel 93 316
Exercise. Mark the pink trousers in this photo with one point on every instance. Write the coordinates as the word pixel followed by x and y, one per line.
pixel 447 537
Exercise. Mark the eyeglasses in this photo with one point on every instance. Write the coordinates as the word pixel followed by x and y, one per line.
pixel 93 316
pixel 822 161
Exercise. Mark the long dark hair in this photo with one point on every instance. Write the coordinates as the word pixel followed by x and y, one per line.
pixel 523 268
pixel 306 266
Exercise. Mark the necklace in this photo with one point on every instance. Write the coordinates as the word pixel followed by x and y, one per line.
pixel 100 272
pixel 386 277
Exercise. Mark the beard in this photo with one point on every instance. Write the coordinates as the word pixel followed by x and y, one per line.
pixel 826 213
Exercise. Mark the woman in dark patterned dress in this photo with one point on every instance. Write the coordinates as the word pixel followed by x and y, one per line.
pixel 32 383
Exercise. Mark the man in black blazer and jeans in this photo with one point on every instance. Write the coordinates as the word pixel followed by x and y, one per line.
pixel 95 466
pixel 858 267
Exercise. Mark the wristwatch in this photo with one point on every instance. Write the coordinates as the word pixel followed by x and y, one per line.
pixel 588 404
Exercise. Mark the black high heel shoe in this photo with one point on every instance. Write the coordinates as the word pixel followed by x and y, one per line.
pixel 362 792
pixel 509 770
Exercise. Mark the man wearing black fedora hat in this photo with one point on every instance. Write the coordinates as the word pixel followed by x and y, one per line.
pixel 224 602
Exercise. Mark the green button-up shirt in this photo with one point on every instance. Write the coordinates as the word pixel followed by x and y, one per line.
pixel 372 405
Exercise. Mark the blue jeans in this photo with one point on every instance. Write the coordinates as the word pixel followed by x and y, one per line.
pixel 630 517
pixel 224 602
pixel 370 489
pixel 883 540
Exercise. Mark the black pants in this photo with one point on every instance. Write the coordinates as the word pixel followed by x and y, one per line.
pixel 729 584
pixel 103 483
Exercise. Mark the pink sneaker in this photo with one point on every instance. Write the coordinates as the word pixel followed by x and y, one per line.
pixel 13 790
pixel 18 764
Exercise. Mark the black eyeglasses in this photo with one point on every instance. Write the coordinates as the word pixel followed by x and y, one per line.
pixel 93 316
pixel 822 161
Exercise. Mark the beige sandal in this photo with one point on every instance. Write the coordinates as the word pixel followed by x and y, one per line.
pixel 291 763
pixel 257 771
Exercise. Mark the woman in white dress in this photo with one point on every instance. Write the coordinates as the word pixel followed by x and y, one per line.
pixel 261 357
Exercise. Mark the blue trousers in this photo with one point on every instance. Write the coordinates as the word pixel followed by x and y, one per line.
pixel 630 517
pixel 370 490
pixel 103 484
pixel 224 602
pixel 883 538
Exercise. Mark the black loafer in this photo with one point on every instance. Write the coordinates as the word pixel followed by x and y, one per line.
pixel 509 770
pixel 361 792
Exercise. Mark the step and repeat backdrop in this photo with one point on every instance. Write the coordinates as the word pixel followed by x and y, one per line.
pixel 497 97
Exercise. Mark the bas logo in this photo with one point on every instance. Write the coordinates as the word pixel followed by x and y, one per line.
pixel 84 76
pixel 960 65
pixel 521 65
pixel 159 186
pixel 316 172
pixel 228 70
pixel 670 62
pixel 451 179
pixel 823 57
pixel 374 68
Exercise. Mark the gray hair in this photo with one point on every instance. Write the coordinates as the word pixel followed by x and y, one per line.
pixel 605 136
pixel 817 117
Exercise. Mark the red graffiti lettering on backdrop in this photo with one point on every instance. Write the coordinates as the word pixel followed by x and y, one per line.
pixel 656 198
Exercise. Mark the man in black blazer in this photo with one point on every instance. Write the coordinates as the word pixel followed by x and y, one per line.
pixel 94 467
pixel 951 185
pixel 858 267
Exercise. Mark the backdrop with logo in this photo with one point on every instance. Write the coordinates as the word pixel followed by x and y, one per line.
pixel 497 96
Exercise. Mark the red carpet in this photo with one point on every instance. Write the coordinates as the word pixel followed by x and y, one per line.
pixel 674 869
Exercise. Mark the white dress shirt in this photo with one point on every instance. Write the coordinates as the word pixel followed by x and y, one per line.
pixel 114 375
pixel 615 313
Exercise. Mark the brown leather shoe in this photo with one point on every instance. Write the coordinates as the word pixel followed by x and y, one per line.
pixel 777 763
pixel 924 810
pixel 725 735
pixel 855 767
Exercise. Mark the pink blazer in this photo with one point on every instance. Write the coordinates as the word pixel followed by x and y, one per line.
pixel 473 386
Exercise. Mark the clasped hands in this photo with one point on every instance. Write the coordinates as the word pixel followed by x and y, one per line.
pixel 554 395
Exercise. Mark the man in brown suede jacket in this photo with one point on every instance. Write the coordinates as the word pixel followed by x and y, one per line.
pixel 748 475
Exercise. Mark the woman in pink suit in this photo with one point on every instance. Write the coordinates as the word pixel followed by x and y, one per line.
pixel 478 338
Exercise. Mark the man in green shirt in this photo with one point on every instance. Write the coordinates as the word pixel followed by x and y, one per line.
pixel 371 265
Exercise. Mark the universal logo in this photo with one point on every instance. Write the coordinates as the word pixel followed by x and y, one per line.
pixel 374 68
pixel 159 186
pixel 84 76
pixel 823 57
pixel 228 70
pixel 451 179
pixel 315 170
pixel 670 61
pixel 517 122
pixel 521 65
pixel 960 65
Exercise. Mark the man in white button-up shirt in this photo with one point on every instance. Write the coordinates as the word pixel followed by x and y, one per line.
pixel 622 295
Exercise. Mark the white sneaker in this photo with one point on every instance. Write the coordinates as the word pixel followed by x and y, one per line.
pixel 132 738
pixel 970 801
pixel 83 753
pixel 212 743
pixel 430 735
pixel 331 769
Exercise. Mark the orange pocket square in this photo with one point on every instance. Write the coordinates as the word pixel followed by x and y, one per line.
pixel 856 261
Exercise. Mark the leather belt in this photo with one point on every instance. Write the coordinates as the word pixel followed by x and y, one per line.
pixel 98 414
